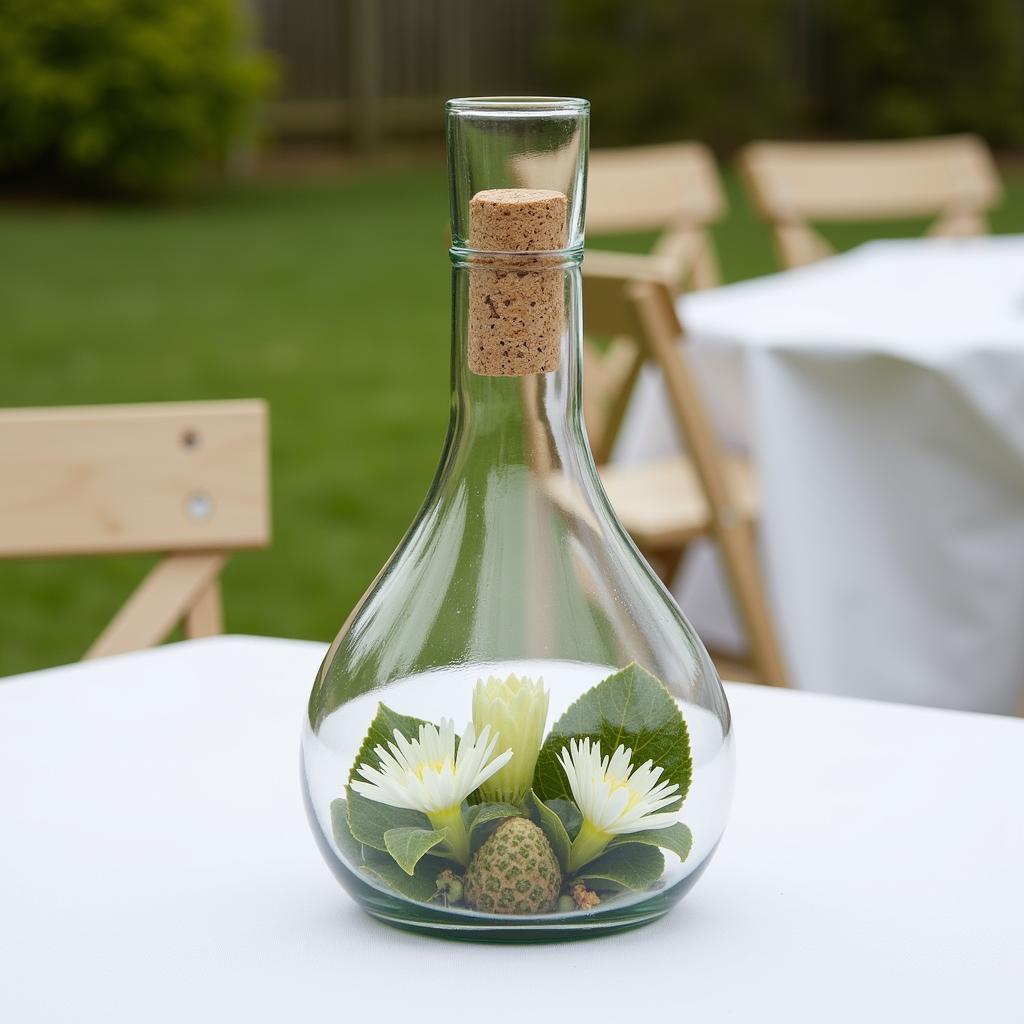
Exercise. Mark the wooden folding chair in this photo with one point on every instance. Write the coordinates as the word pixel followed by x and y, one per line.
pixel 673 188
pixel 188 480
pixel 667 503
pixel 952 180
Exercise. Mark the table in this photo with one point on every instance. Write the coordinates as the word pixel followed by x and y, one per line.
pixel 156 866
pixel 881 393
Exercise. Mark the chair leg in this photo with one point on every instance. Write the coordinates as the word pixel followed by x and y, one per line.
pixel 657 318
pixel 739 552
pixel 206 616
pixel 160 601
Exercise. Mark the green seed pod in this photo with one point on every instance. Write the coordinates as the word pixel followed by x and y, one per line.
pixel 514 872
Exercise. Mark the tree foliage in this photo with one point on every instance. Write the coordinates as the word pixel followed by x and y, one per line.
pixel 122 95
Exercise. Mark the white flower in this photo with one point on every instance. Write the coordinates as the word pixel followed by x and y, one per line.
pixel 426 774
pixel 515 709
pixel 615 797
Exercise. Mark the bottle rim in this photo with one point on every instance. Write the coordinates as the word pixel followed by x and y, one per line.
pixel 533 106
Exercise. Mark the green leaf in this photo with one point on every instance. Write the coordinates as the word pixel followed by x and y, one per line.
pixel 408 845
pixel 368 820
pixel 677 838
pixel 349 846
pixel 420 885
pixel 381 733
pixel 630 707
pixel 629 867
pixel 477 816
pixel 569 813
pixel 551 824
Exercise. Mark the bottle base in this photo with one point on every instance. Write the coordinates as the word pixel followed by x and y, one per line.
pixel 526 933
pixel 462 926
pixel 381 896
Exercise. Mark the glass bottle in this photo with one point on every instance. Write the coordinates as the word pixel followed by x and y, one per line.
pixel 498 740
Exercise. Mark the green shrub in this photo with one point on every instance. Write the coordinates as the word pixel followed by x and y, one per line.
pixel 121 95
pixel 916 67
pixel 654 70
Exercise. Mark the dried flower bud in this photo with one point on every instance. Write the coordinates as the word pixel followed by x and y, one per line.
pixel 585 899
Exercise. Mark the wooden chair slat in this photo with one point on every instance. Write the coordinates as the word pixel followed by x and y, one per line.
pixel 175 477
pixel 674 184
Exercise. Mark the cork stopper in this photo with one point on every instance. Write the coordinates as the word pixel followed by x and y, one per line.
pixel 517 220
pixel 516 304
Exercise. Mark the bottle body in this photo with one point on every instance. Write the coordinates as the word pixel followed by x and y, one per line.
pixel 517 734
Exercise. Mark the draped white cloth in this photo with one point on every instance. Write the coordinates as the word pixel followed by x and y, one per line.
pixel 155 866
pixel 881 394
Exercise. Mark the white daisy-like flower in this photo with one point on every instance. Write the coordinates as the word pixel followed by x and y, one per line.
pixel 614 797
pixel 426 774
pixel 515 709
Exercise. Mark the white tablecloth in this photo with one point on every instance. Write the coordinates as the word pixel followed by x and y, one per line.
pixel 882 395
pixel 156 866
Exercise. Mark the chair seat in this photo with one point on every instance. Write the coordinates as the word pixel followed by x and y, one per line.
pixel 661 502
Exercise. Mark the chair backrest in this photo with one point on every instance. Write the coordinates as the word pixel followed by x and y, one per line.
pixel 186 479
pixel 653 187
pixel 952 179
pixel 673 188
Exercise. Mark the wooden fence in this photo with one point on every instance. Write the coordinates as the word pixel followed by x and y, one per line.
pixel 369 70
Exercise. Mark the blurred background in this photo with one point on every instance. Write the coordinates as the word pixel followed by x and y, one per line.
pixel 215 199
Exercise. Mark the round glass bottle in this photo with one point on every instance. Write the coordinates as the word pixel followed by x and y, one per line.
pixel 516 735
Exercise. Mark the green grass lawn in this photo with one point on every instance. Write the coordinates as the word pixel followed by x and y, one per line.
pixel 330 299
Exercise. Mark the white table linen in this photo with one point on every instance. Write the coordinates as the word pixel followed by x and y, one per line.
pixel 881 393
pixel 155 865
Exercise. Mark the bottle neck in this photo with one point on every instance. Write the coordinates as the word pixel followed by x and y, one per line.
pixel 531 419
